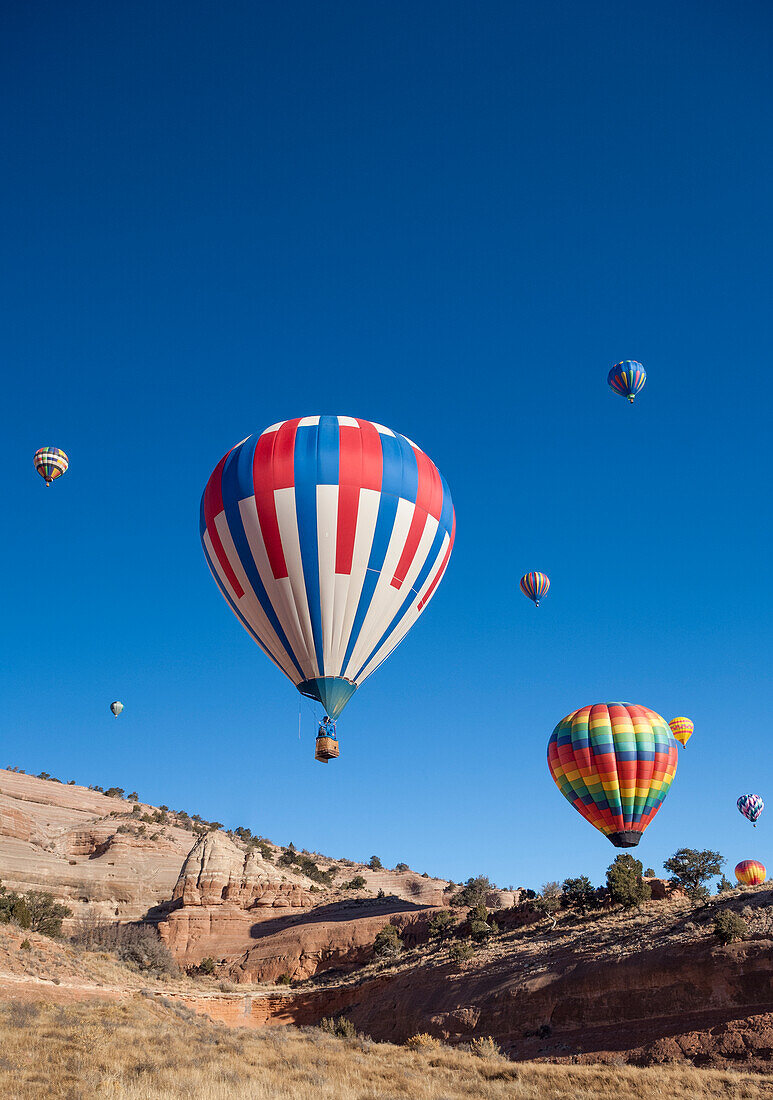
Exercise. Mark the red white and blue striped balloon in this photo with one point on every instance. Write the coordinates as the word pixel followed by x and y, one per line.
pixel 328 536
pixel 627 378
pixel 535 586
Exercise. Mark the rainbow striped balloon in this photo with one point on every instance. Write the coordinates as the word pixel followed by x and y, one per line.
pixel 627 378
pixel 682 729
pixel 51 463
pixel 614 762
pixel 535 586
pixel 750 872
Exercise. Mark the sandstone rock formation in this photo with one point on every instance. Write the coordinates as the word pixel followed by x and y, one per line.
pixel 65 839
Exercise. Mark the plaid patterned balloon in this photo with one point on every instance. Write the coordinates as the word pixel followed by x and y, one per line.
pixel 750 872
pixel 751 806
pixel 51 463
pixel 614 762
pixel 627 378
pixel 682 729
pixel 535 586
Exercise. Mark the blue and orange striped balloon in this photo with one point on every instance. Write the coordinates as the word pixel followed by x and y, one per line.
pixel 750 872
pixel 614 762
pixel 535 586
pixel 627 378
pixel 328 536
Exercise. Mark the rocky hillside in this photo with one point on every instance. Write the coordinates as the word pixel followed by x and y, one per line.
pixel 107 856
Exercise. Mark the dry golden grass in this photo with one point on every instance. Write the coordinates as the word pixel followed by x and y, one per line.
pixel 144 1051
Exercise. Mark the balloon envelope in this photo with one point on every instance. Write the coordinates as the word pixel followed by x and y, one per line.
pixel 750 872
pixel 535 586
pixel 614 762
pixel 627 378
pixel 328 536
pixel 51 463
pixel 116 708
pixel 682 729
pixel 751 806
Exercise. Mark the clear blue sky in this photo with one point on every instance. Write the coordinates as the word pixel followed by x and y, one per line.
pixel 451 218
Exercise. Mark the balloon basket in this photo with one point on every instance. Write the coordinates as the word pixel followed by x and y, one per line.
pixel 326 749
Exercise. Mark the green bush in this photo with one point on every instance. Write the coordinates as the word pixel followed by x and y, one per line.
pixel 207 966
pixel 728 927
pixel 459 952
pixel 375 864
pixel 691 868
pixel 25 945
pixel 625 882
pixel 442 926
pixel 284 979
pixel 402 867
pixel 356 883
pixel 36 910
pixel 474 892
pixel 724 885
pixel 577 893
pixel 388 942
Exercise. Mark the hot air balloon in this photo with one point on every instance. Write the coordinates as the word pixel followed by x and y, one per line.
pixel 751 806
pixel 682 729
pixel 535 586
pixel 627 378
pixel 750 872
pixel 116 708
pixel 328 536
pixel 614 762
pixel 51 463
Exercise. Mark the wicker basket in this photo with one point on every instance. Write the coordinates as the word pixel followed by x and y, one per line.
pixel 327 749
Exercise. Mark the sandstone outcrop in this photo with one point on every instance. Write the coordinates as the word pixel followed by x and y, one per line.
pixel 64 839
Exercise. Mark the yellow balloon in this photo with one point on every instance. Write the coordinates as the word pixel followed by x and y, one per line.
pixel 682 729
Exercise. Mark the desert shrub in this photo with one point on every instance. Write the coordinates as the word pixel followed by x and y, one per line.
pixel 650 873
pixel 388 942
pixel 207 965
pixel 423 1041
pixel 474 892
pixel 25 945
pixel 114 792
pixel 724 885
pixel 480 930
pixel 340 1027
pixel 284 979
pixel 375 864
pixel 692 868
pixel 728 926
pixel 442 926
pixel 124 829
pixel 356 883
pixel 138 945
pixel 577 893
pixel 460 952
pixel 625 883
pixel 548 901
pixel 402 867
pixel 45 913
pixel 227 987
pixel 484 1047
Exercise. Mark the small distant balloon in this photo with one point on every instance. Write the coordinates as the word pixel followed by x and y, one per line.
pixel 750 872
pixel 51 463
pixel 116 708
pixel 535 586
pixel 751 806
pixel 682 729
pixel 627 378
